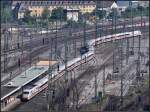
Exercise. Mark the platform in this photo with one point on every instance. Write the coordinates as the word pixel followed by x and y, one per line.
pixel 30 74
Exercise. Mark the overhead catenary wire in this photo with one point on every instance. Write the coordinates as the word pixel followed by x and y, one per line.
pixel 131 17
pixel 84 27
pixel 51 84
pixel 95 76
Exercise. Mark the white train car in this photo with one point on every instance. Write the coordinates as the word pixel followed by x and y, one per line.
pixel 31 90
pixel 113 37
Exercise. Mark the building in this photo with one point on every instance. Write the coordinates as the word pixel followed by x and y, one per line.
pixel 21 11
pixel 37 7
pixel 144 3
pixel 72 14
pixel 122 5
pixel 105 5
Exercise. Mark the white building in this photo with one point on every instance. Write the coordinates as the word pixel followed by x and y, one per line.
pixel 73 14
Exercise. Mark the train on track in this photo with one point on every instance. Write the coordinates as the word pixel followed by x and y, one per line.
pixel 33 89
pixel 87 54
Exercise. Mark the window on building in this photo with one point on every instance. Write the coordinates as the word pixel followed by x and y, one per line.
pixel 120 8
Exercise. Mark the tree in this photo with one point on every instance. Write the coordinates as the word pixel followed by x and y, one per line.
pixel 27 15
pixel 58 14
pixel 45 13
pixel 140 8
pixel 100 13
pixel 6 14
pixel 135 12
pixel 113 13
pixel 28 18
pixel 6 3
pixel 87 15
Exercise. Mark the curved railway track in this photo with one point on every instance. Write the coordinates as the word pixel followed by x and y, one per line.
pixel 44 46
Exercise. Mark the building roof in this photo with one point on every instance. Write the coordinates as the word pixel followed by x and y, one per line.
pixel 114 5
pixel 104 4
pixel 27 76
pixel 6 90
pixel 48 3
pixel 31 73
pixel 123 3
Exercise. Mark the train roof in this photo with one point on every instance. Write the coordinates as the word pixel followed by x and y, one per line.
pixel 41 81
pixel 128 34
pixel 29 87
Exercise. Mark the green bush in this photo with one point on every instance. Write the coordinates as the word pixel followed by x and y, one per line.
pixel 6 15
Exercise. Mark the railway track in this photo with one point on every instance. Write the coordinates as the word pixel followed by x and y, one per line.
pixel 34 53
pixel 83 75
pixel 39 42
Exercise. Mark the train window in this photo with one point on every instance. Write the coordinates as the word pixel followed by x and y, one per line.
pixel 25 92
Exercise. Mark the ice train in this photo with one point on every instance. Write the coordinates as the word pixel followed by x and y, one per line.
pixel 87 54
